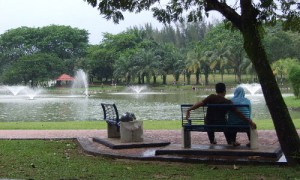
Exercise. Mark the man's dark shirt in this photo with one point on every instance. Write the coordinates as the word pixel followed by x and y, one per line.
pixel 216 115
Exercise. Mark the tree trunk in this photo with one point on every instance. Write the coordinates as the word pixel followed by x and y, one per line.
pixel 222 75
pixel 154 79
pixel 198 76
pixel 239 76
pixel 206 73
pixel 164 79
pixel 285 129
pixel 188 77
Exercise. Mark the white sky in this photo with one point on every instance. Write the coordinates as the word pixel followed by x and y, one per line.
pixel 74 13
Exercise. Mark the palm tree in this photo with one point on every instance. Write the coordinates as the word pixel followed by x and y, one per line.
pixel 219 58
pixel 205 60
pixel 193 64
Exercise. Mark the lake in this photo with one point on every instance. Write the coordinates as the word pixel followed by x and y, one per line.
pixel 148 105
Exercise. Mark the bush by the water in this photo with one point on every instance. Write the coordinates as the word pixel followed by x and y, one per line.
pixel 294 77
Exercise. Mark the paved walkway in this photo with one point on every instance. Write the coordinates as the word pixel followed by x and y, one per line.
pixel 49 134
pixel 266 137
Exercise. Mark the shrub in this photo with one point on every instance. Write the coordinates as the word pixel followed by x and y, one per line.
pixel 294 78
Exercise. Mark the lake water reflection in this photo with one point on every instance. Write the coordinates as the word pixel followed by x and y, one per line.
pixel 146 106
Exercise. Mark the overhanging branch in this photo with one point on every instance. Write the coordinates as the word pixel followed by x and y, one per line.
pixel 225 10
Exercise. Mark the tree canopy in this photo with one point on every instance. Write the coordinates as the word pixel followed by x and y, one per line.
pixel 63 42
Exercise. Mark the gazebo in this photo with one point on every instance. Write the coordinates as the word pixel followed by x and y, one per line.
pixel 64 80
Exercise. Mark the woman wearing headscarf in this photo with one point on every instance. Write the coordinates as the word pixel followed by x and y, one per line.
pixel 233 119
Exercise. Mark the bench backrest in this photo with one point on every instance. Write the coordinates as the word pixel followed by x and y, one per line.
pixel 198 115
pixel 110 113
pixel 233 118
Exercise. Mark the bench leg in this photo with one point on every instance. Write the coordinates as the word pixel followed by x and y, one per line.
pixel 186 138
pixel 253 139
pixel 112 131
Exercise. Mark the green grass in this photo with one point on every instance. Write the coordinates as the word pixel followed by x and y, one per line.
pixel 42 159
pixel 148 125
pixel 292 102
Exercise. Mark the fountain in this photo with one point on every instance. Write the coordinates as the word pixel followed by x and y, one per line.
pixel 81 81
pixel 137 89
pixel 15 90
pixel 252 88
pixel 31 93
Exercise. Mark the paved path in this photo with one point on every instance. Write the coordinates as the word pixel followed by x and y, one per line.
pixel 266 137
pixel 49 134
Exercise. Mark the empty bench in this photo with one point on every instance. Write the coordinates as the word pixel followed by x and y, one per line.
pixel 126 128
pixel 197 117
pixel 111 116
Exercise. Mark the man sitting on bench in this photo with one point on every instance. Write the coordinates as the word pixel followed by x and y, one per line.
pixel 217 116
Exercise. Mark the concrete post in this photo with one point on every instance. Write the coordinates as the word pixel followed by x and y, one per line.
pixel 253 139
pixel 112 131
pixel 186 138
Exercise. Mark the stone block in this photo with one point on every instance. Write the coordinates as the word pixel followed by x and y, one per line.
pixel 131 131
pixel 113 131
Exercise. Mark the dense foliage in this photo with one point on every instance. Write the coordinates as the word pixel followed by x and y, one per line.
pixel 294 75
pixel 141 54
pixel 39 54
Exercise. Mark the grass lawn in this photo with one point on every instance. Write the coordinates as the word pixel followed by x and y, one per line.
pixel 43 159
pixel 148 125
pixel 63 159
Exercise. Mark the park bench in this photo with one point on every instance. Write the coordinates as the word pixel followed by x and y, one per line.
pixel 197 117
pixel 127 128
pixel 111 116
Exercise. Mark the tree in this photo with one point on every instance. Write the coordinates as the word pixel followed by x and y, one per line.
pixel 16 43
pixel 294 77
pixel 66 42
pixel 227 46
pixel 193 64
pixel 281 44
pixel 248 18
pixel 100 62
pixel 282 67
pixel 34 69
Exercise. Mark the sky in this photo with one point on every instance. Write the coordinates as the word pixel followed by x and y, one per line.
pixel 74 13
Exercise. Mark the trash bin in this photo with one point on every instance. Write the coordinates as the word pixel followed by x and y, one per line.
pixel 126 117
pixel 131 130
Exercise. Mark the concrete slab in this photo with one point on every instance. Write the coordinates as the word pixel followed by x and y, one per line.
pixel 222 150
pixel 223 154
pixel 268 144
pixel 115 143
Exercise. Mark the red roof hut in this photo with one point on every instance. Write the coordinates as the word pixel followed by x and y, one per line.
pixel 64 80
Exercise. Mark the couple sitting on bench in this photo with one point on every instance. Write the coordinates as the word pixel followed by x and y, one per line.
pixel 218 116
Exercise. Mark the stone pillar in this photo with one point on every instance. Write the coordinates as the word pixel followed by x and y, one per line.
pixel 131 131
pixel 253 138
pixel 113 131
pixel 186 138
